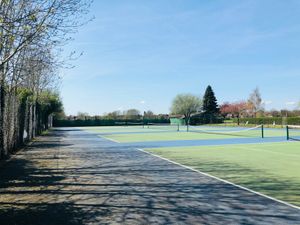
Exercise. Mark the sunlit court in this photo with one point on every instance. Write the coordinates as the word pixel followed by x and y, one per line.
pixel 168 132
pixel 269 168
pixel 267 162
pixel 144 112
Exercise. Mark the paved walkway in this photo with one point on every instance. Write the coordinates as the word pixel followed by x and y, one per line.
pixel 74 177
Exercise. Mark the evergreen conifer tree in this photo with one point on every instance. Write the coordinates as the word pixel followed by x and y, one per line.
pixel 210 105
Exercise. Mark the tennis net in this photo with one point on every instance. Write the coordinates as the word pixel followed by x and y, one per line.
pixel 257 131
pixel 162 126
pixel 293 132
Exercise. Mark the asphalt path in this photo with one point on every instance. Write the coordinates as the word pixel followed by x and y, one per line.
pixel 76 177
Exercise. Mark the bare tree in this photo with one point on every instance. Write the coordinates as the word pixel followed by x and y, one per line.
pixel 132 114
pixel 255 101
pixel 82 115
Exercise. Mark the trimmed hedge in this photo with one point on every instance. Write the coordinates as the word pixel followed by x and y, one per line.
pixel 270 120
pixel 105 122
pixel 206 119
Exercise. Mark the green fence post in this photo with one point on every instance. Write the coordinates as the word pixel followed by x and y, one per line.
pixel 262 131
pixel 287 133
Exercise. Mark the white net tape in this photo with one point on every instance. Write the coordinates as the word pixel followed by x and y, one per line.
pixel 197 129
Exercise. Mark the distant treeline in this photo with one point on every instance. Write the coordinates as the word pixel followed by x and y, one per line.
pixel 270 120
pixel 106 122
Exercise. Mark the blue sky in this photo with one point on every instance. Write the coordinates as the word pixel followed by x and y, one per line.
pixel 141 54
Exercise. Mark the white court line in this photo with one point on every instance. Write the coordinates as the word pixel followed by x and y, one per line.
pixel 110 139
pixel 263 150
pixel 241 146
pixel 224 181
pixel 220 145
pixel 208 175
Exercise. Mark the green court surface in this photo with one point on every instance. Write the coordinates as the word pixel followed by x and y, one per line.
pixel 270 168
pixel 147 135
pixel 164 136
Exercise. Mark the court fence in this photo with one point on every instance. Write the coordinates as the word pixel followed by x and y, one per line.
pixel 106 122
pixel 269 120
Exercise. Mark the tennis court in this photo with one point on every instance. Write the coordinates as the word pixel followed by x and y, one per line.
pixel 154 133
pixel 269 168
pixel 260 159
pixel 74 175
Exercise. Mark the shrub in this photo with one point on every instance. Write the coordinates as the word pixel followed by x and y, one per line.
pixel 270 120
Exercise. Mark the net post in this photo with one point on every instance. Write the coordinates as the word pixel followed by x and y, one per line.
pixel 177 127
pixel 287 133
pixel 262 131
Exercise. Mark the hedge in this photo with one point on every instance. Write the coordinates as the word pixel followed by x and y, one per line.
pixel 206 119
pixel 105 122
pixel 270 120
pixel 293 120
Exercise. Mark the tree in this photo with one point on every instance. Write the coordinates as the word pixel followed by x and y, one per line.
pixel 48 104
pixel 186 104
pixel 274 113
pixel 114 115
pixel 235 109
pixel 210 105
pixel 132 114
pixel 284 113
pixel 255 101
pixel 32 33
pixel 149 115
pixel 82 115
pixel 226 109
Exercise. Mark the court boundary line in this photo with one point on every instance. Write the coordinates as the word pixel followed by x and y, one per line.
pixel 211 176
pixel 222 180
pixel 110 139
pixel 251 143
pixel 113 140
pixel 215 145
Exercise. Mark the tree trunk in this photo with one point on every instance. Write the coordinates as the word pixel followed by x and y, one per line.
pixel 187 122
pixel 34 124
pixel 50 121
pixel 22 121
pixel 29 130
pixel 2 110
